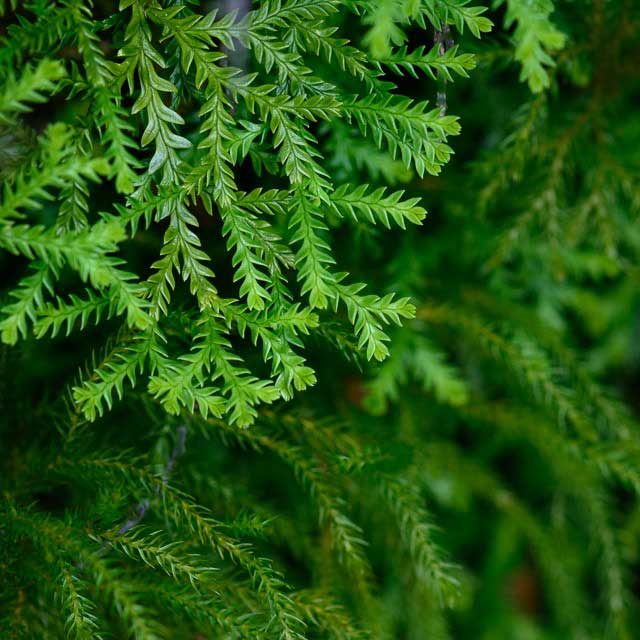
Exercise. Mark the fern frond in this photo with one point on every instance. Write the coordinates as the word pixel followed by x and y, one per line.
pixel 181 245
pixel 58 168
pixel 149 548
pixel 121 365
pixel 411 132
pixel 434 64
pixel 323 613
pixel 29 299
pixel 378 206
pixel 142 58
pixel 369 314
pixel 101 74
pixel 53 317
pixel 416 531
pixel 536 37
pixel 313 257
pixel 81 620
pixel 32 86
pixel 48 32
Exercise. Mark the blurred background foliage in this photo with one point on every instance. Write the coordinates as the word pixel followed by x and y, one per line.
pixel 524 353
pixel 482 482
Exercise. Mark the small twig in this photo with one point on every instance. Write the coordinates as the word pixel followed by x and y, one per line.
pixel 178 449
pixel 141 510
pixel 238 56
pixel 143 506
pixel 443 39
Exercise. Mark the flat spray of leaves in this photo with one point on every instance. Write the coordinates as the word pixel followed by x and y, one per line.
pixel 173 128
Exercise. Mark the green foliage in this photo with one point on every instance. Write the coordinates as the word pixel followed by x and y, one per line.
pixel 202 177
pixel 536 38
pixel 250 389
pixel 32 86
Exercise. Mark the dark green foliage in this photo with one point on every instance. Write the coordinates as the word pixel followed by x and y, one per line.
pixel 249 388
